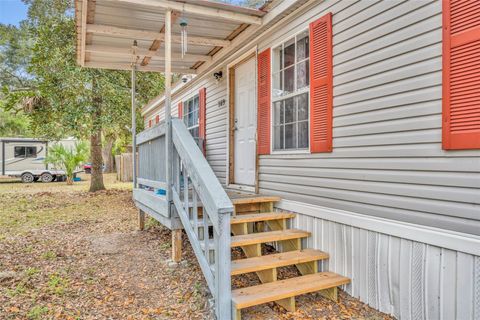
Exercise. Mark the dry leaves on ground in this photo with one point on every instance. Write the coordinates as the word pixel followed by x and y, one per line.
pixel 69 254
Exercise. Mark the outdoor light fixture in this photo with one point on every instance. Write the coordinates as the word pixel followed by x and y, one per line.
pixel 218 75
pixel 183 25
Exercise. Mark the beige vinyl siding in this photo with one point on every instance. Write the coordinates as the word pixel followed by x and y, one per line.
pixel 216 125
pixel 387 166
pixel 387 159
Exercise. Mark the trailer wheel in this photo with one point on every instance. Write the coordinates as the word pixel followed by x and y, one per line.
pixel 46 177
pixel 27 177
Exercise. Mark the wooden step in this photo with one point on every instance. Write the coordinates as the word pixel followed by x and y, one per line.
pixel 271 236
pixel 277 290
pixel 254 217
pixel 264 216
pixel 254 199
pixel 276 260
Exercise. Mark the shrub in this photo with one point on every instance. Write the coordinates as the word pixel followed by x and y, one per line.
pixel 67 159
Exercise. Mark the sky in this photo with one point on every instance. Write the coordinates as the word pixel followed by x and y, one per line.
pixel 12 11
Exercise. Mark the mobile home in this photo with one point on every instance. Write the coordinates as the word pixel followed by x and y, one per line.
pixel 356 122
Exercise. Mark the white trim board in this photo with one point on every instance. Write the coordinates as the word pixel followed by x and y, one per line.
pixel 246 54
pixel 433 236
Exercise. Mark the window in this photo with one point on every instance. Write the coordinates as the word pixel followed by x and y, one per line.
pixel 191 116
pixel 290 128
pixel 25 152
pixel 290 76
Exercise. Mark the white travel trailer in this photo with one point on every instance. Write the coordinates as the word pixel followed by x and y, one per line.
pixel 24 158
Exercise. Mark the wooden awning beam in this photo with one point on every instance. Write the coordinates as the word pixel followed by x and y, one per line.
pixel 152 35
pixel 209 12
pixel 157 43
pixel 127 66
pixel 157 55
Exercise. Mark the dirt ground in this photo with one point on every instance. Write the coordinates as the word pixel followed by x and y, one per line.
pixel 69 254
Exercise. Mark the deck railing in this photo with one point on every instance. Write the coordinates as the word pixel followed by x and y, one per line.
pixel 194 182
pixel 149 195
pixel 199 201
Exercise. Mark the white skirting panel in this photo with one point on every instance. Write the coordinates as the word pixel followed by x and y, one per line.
pixel 405 278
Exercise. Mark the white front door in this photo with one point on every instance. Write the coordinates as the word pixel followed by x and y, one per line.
pixel 245 124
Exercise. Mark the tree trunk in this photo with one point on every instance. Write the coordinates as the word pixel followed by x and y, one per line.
pixel 107 154
pixel 96 182
pixel 69 180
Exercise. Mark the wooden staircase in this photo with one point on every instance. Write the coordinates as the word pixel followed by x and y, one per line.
pixel 254 222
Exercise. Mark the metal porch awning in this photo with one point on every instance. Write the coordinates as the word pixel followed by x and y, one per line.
pixel 107 29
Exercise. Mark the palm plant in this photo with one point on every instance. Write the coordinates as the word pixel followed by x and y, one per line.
pixel 67 159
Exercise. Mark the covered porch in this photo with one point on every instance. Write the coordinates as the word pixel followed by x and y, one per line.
pixel 172 181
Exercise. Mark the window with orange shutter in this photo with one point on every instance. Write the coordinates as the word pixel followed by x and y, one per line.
pixel 302 90
pixel 321 84
pixel 193 114
pixel 461 75
pixel 190 115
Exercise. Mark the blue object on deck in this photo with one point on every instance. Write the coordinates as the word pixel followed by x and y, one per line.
pixel 76 179
pixel 161 192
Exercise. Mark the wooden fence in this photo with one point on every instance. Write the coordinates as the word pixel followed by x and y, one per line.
pixel 123 166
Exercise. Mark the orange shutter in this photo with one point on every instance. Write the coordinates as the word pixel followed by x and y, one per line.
pixel 202 117
pixel 157 118
pixel 263 105
pixel 321 88
pixel 461 74
pixel 180 110
pixel 150 123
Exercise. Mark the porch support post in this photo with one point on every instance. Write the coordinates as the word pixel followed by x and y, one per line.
pixel 176 234
pixel 141 220
pixel 134 128
pixel 168 110
pixel 223 282
pixel 176 245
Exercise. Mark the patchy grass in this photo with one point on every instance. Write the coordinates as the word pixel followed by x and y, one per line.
pixel 77 255
pixel 69 254
pixel 37 312
pixel 30 206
